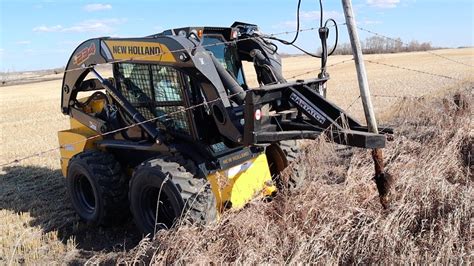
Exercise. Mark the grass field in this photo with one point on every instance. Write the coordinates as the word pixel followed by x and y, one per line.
pixel 38 225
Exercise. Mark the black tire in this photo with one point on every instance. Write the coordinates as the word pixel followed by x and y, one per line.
pixel 98 188
pixel 293 150
pixel 281 156
pixel 181 196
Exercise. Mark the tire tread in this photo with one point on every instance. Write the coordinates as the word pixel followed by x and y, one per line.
pixel 113 186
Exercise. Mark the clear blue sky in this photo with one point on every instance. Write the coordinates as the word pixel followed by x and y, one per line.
pixel 41 34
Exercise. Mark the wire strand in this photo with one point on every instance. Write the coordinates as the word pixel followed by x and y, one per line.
pixel 413 70
pixel 406 44
pixel 186 49
pixel 38 154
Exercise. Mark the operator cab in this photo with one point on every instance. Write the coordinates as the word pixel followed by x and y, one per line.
pixel 220 42
pixel 199 103
pixel 166 94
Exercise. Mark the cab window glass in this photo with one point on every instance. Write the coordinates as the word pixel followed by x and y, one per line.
pixel 156 92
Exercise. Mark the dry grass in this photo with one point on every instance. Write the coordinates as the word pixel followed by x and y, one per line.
pixel 335 218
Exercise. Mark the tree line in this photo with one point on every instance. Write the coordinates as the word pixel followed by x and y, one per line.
pixel 380 45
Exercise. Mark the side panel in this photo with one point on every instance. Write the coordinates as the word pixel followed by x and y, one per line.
pixel 236 186
pixel 74 141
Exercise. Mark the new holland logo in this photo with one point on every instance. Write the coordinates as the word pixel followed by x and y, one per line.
pixel 136 50
pixel 150 50
pixel 309 109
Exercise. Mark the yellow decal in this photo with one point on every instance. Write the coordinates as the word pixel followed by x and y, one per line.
pixel 143 51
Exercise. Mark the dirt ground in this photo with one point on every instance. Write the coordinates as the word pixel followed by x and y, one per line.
pixel 37 223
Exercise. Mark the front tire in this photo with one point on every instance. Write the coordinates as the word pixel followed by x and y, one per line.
pixel 281 156
pixel 97 188
pixel 170 181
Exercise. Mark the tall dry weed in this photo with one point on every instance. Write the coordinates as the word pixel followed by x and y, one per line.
pixel 335 216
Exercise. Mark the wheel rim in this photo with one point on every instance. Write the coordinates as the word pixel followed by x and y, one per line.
pixel 276 158
pixel 166 213
pixel 85 193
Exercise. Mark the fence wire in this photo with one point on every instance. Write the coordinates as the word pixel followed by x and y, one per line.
pixel 413 70
pixel 38 154
pixel 119 129
pixel 406 44
pixel 187 50
pixel 18 160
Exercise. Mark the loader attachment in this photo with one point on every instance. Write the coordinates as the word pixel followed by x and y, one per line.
pixel 295 110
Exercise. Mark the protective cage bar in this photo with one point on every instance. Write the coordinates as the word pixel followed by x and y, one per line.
pixel 155 91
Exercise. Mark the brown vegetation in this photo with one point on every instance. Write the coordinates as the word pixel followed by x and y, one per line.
pixel 336 218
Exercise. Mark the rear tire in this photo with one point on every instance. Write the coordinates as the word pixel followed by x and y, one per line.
pixel 97 188
pixel 171 179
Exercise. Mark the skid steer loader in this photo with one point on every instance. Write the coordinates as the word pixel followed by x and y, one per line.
pixel 177 133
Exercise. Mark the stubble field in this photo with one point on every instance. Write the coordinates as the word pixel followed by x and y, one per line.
pixel 335 218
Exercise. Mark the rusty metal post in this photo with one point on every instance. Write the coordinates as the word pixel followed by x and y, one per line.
pixel 382 179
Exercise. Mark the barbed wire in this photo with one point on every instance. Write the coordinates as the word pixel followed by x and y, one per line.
pixel 419 101
pixel 405 97
pixel 187 49
pixel 119 129
pixel 316 69
pixel 409 69
pixel 38 154
pixel 422 97
pixel 352 104
pixel 406 44
pixel 405 68
pixel 217 99
pixel 395 96
pixel 151 120
pixel 167 52
pixel 164 115
pixel 413 70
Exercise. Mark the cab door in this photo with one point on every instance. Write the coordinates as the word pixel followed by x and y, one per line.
pixel 159 93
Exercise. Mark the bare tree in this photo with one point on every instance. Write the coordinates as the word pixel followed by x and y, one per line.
pixel 380 45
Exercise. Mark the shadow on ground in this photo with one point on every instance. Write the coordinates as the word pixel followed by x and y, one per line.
pixel 42 193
